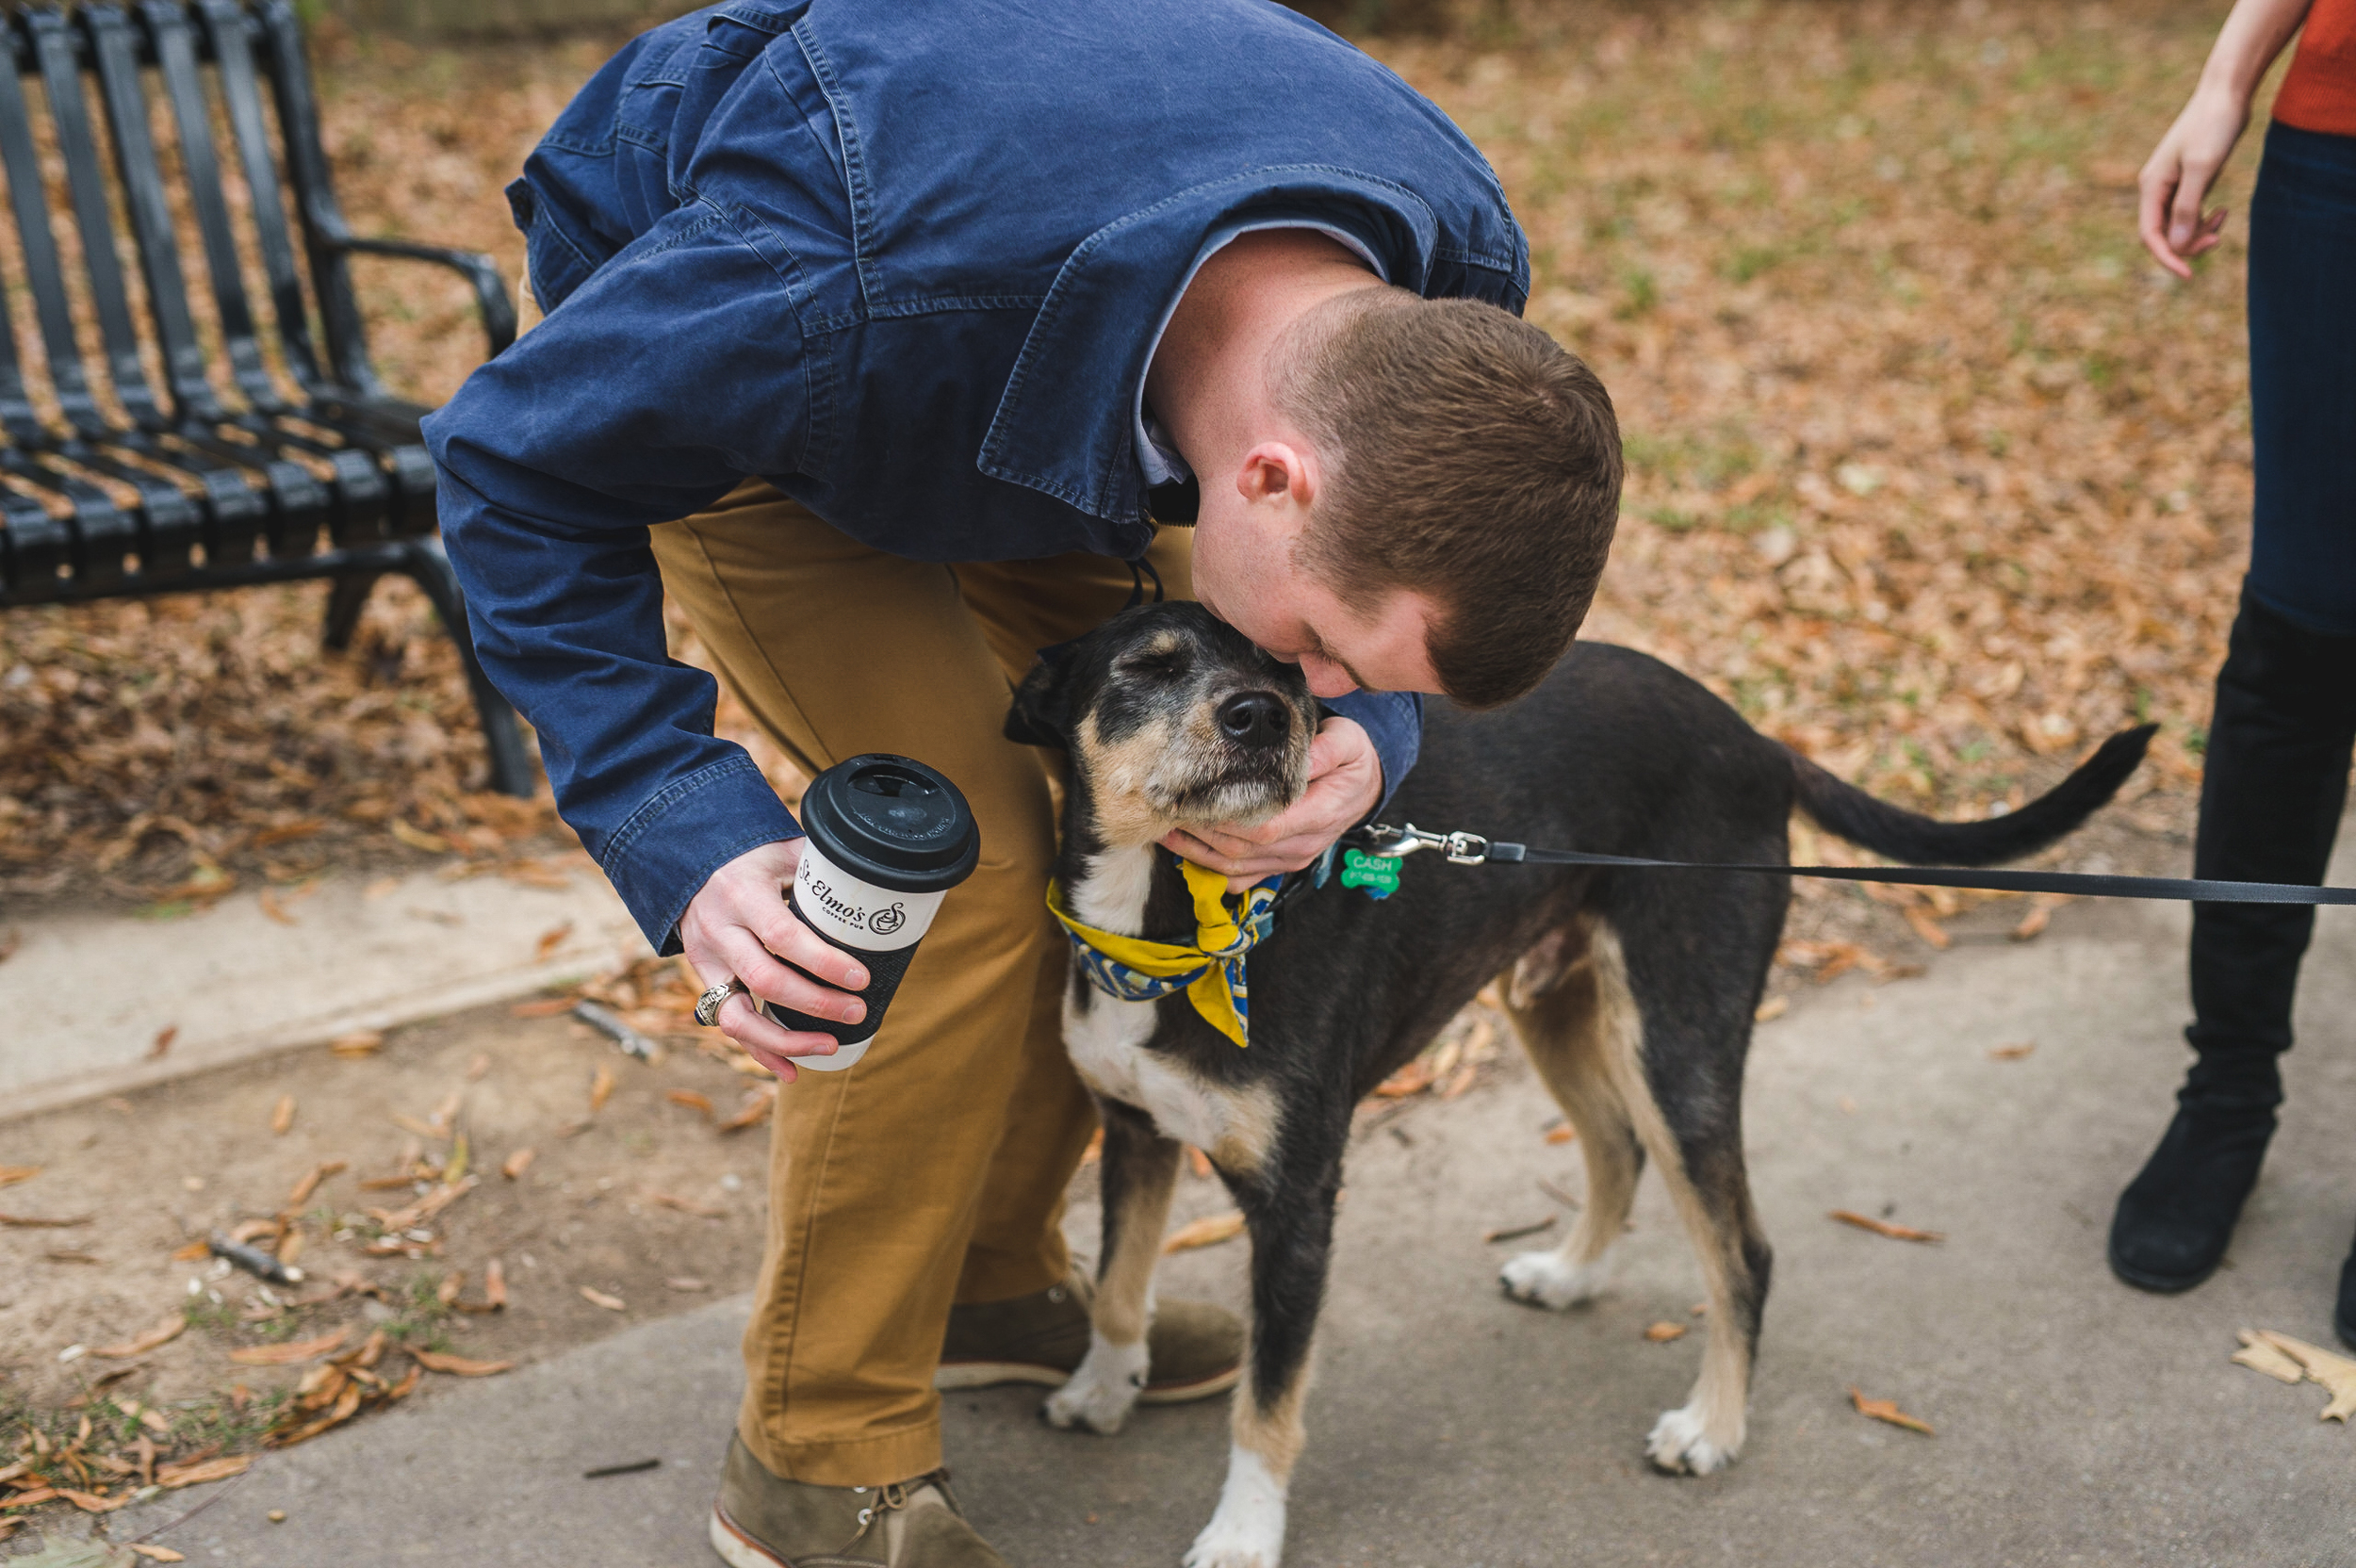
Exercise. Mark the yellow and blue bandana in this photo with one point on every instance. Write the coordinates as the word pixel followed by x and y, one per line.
pixel 1211 972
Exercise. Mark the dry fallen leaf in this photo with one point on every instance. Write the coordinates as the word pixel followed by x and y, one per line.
pixel 310 1181
pixel 2012 1052
pixel 1887 1410
pixel 1884 1228
pixel 197 1472
pixel 760 1099
pixel 2336 1372
pixel 162 1041
pixel 700 1103
pixel 12 1174
pixel 1199 1163
pixel 457 1366
pixel 359 1043
pixel 154 1553
pixel 1771 1009
pixel 596 1298
pixel 552 938
pixel 1926 927
pixel 517 1163
pixel 1661 1333
pixel 191 1251
pixel 276 911
pixel 287 1355
pixel 495 1284
pixel 685 1205
pixel 1514 1233
pixel 686 1283
pixel 162 1333
pixel 599 1087
pixel 1207 1231
pixel 417 837
pixel 2260 1356
pixel 1413 1078
pixel 1562 1133
pixel 2034 922
pixel 546 1006
pixel 282 1114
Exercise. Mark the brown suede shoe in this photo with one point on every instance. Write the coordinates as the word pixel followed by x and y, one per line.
pixel 1194 1349
pixel 760 1521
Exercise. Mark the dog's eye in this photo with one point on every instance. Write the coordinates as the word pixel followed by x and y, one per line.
pixel 1162 665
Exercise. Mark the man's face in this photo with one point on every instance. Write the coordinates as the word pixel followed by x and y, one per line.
pixel 1246 574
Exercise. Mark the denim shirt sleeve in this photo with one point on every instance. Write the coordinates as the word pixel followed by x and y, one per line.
pixel 1394 722
pixel 555 458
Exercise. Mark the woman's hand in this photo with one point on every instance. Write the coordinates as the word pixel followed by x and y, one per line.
pixel 740 926
pixel 1344 781
pixel 2177 177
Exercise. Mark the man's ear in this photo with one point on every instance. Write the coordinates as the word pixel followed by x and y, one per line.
pixel 1041 714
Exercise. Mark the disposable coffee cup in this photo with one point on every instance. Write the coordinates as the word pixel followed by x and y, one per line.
pixel 888 838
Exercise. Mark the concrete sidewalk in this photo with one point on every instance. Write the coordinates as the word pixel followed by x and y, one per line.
pixel 87 995
pixel 2078 1422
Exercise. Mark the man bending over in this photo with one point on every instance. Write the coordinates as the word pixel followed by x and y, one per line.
pixel 895 342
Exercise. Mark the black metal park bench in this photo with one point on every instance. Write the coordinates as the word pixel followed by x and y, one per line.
pixel 257 459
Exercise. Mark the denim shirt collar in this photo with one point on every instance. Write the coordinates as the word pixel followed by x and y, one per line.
pixel 1064 426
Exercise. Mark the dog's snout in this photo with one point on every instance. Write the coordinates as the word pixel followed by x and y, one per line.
pixel 1254 719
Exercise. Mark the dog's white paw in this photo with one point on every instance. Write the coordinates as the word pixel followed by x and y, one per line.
pixel 1681 1443
pixel 1248 1529
pixel 1101 1391
pixel 1551 1281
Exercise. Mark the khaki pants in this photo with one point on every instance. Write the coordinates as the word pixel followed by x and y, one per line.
pixel 934 1171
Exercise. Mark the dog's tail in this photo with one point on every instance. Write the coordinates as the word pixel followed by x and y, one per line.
pixel 1902 835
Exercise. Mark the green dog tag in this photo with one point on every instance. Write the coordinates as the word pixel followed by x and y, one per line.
pixel 1377 873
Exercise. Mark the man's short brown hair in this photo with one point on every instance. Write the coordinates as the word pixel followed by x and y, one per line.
pixel 1468 457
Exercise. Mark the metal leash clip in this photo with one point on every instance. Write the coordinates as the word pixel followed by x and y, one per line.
pixel 1461 849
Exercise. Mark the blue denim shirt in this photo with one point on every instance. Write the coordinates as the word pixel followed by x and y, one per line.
pixel 903 260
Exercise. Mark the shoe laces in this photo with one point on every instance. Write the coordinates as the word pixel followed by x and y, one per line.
pixel 894 1499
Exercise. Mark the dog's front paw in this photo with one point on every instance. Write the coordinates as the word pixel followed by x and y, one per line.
pixel 1683 1444
pixel 1550 1281
pixel 1248 1529
pixel 1102 1392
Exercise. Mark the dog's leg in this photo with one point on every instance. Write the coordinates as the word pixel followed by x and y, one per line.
pixel 1690 1117
pixel 1292 1234
pixel 1555 1002
pixel 1138 1169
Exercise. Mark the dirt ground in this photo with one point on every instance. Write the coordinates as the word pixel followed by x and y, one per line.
pixel 641 1200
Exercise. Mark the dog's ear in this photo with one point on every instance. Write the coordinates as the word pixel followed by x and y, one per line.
pixel 1041 712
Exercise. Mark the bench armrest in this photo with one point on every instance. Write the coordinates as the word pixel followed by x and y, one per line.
pixel 490 289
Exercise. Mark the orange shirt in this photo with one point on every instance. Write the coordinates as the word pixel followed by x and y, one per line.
pixel 2319 93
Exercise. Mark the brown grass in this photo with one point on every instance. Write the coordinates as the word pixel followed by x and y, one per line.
pixel 1932 474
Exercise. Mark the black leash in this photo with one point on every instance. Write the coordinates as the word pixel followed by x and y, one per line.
pixel 1470 849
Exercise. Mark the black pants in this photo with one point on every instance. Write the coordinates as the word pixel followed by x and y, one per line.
pixel 2273 790
pixel 2276 778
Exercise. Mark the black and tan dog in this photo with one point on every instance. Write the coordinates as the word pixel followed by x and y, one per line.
pixel 1633 991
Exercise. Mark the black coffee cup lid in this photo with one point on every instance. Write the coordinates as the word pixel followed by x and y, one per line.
pixel 894 822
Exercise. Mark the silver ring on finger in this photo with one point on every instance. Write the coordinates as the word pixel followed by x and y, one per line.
pixel 708 1006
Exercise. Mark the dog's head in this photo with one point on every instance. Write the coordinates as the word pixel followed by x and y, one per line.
pixel 1173 719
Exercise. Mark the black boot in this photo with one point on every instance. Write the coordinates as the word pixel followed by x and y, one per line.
pixel 2273 785
pixel 2344 1317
